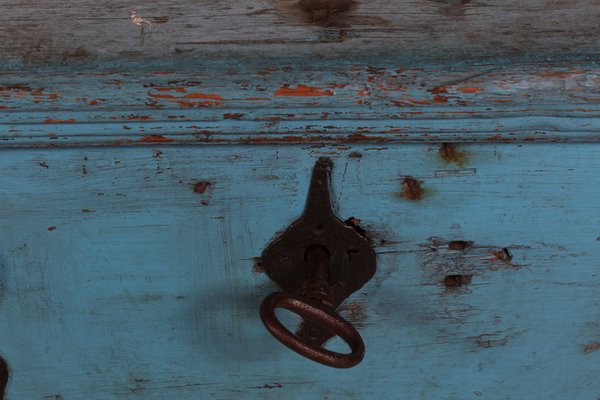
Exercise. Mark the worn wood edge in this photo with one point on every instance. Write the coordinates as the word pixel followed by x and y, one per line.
pixel 217 102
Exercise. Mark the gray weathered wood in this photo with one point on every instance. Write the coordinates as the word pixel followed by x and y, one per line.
pixel 41 31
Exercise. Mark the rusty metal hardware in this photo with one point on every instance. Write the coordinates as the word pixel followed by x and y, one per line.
pixel 318 262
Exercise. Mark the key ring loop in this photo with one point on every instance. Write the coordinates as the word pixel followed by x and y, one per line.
pixel 316 313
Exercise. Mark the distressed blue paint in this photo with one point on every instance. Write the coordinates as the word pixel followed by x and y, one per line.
pixel 108 105
pixel 150 294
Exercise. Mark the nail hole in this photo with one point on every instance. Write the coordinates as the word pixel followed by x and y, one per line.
pixel 3 377
pixel 318 230
pixel 457 280
pixel 202 187
pixel 504 255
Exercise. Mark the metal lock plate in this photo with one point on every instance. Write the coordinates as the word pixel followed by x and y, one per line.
pixel 352 260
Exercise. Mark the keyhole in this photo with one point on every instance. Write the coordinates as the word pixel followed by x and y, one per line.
pixel 3 377
pixel 318 230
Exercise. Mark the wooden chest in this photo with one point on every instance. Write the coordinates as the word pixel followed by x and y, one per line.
pixel 150 151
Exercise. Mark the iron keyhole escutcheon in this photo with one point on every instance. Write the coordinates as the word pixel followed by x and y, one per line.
pixel 318 261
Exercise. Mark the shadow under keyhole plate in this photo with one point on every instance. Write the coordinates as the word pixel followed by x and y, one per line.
pixel 352 259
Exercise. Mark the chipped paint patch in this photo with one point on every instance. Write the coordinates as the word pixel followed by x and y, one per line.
pixel 591 347
pixel 469 89
pixel 155 139
pixel 302 91
pixel 188 99
pixel 60 121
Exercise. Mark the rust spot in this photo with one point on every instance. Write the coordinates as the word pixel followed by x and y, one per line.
pixel 437 99
pixel 59 121
pixel 459 245
pixel 270 386
pixel 450 153
pixel 326 13
pixel 302 91
pixel 155 139
pixel 233 115
pixel 51 228
pixel 457 280
pixel 257 266
pixel 411 188
pixel 503 255
pixel 93 102
pixel 591 347
pixel 201 187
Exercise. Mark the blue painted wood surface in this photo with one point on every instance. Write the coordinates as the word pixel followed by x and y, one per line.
pixel 119 281
pixel 243 102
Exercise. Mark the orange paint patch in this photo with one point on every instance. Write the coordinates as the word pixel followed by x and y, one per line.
pixel 155 139
pixel 400 103
pixel 302 91
pixel 469 89
pixel 171 89
pixel 59 121
pixel 161 96
pixel 202 96
pixel 440 99
pixel 258 98
pixel 233 116
pixel 439 89
pixel 419 102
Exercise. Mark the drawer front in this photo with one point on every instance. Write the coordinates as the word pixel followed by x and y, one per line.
pixel 131 272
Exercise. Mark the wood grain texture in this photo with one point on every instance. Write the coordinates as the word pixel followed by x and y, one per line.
pixel 63 31
pixel 118 280
pixel 231 102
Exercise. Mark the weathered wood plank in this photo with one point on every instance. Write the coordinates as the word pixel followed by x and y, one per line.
pixel 118 281
pixel 318 102
pixel 51 31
